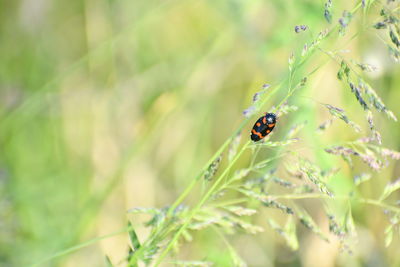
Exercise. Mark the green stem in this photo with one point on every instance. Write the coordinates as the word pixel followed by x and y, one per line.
pixel 77 247
pixel 230 202
pixel 343 197
pixel 189 188
pixel 198 206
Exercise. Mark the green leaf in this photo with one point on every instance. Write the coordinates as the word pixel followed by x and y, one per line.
pixel 307 221
pixel 187 236
pixel 108 262
pixel 388 235
pixel 288 232
pixel 390 188
pixel 241 211
pixel 349 224
pixel 313 173
pixel 212 169
pixel 240 174
pixel 135 243
pixel 247 227
pixel 295 129
pixel 291 236
pixel 291 61
pixel 363 177
pixel 192 263
pixel 151 211
pixel 237 261
pixel 233 147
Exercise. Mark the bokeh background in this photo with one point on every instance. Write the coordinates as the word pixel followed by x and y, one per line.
pixel 107 105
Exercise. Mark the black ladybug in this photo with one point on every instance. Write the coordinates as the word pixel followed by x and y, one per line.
pixel 263 127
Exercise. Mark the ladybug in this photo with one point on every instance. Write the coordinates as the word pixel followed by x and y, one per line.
pixel 263 127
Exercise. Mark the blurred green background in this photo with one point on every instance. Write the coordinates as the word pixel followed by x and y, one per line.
pixel 107 105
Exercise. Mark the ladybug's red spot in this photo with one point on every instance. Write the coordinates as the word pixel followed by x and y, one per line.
pixel 257 133
pixel 265 120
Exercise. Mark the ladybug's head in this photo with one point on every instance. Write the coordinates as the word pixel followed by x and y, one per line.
pixel 271 118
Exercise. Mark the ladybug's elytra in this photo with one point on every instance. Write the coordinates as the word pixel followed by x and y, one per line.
pixel 263 127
